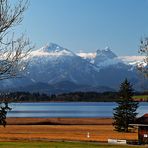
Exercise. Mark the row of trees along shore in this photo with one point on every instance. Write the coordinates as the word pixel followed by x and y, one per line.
pixel 66 97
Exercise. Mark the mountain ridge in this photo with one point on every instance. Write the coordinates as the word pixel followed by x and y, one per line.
pixel 52 65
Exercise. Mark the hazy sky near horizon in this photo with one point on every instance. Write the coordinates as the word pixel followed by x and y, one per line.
pixel 87 25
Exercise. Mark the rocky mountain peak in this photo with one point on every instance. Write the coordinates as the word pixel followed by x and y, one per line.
pixel 52 47
pixel 106 53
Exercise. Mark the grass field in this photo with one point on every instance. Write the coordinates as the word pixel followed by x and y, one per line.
pixel 60 145
pixel 99 133
pixel 141 98
pixel 36 133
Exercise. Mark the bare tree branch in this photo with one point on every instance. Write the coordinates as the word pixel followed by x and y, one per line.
pixel 143 67
pixel 13 51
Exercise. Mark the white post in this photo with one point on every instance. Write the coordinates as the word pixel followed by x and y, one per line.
pixel 88 135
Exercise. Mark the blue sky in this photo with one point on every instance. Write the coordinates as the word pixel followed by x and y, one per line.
pixel 88 24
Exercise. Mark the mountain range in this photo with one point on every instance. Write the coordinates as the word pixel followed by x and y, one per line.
pixel 54 69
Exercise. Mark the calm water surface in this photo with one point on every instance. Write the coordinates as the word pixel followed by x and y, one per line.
pixel 68 109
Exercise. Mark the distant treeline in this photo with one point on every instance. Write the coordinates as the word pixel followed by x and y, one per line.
pixel 65 97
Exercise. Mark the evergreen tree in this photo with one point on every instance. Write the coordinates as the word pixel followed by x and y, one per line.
pixel 125 113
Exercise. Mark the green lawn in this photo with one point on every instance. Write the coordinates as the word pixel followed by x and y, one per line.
pixel 59 145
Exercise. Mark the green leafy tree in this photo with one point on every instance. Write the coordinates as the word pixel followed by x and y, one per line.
pixel 125 113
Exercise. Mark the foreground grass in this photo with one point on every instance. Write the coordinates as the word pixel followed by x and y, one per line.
pixel 60 145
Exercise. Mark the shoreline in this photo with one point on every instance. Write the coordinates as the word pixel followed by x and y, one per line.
pixel 58 121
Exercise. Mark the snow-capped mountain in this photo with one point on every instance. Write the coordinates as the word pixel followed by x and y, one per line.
pixel 103 58
pixel 52 64
pixel 132 60
pixel 54 69
pixel 51 50
pixel 104 54
pixel 129 60
pixel 106 57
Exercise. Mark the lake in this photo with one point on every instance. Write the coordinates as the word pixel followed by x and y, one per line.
pixel 68 109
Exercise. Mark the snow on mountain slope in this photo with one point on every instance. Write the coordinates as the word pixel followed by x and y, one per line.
pixel 102 58
pixel 85 55
pixel 129 60
pixel 52 50
pixel 53 63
